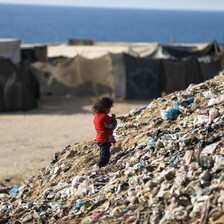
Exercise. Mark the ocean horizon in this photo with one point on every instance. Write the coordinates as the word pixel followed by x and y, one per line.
pixel 56 24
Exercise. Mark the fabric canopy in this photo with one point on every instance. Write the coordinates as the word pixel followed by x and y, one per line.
pixel 69 75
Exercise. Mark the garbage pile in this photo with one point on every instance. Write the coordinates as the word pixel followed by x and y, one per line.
pixel 166 167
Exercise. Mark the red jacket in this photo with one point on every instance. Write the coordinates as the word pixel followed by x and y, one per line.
pixel 101 120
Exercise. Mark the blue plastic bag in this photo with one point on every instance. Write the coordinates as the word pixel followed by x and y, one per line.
pixel 172 160
pixel 172 114
pixel 78 205
pixel 151 143
pixel 14 190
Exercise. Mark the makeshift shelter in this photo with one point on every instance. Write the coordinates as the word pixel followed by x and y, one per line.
pixel 18 91
pixel 125 70
pixel 10 48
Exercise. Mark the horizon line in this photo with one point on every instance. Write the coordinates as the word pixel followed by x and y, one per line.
pixel 114 7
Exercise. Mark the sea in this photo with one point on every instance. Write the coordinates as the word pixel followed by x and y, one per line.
pixel 54 24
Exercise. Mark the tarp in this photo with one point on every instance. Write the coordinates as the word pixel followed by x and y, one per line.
pixel 98 72
pixel 119 75
pixel 142 78
pixel 99 50
pixel 58 76
pixel 210 66
pixel 18 91
pixel 186 51
pixel 10 48
pixel 77 75
pixel 124 75
pixel 222 62
pixel 159 53
pixel 34 53
pixel 178 74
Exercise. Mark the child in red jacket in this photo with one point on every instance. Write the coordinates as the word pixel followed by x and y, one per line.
pixel 104 125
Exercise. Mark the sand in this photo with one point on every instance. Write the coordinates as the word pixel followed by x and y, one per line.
pixel 30 139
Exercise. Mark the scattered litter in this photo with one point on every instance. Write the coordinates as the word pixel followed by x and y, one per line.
pixel 165 169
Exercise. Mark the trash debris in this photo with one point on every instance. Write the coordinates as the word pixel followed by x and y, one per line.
pixel 78 205
pixel 167 169
pixel 216 101
pixel 14 190
pixel 171 114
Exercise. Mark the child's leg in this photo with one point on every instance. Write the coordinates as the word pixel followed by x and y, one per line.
pixel 104 153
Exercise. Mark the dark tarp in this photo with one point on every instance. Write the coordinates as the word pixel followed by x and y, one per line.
pixel 210 66
pixel 142 78
pixel 16 92
pixel 180 52
pixel 222 62
pixel 32 54
pixel 212 49
pixel 178 75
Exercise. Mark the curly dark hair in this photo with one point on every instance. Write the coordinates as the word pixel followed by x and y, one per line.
pixel 102 104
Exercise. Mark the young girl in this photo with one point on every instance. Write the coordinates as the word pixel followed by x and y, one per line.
pixel 104 125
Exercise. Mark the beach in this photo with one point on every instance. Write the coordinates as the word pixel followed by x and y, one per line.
pixel 29 139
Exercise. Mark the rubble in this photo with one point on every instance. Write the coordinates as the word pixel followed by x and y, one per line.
pixel 167 167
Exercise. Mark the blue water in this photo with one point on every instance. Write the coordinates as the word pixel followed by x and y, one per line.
pixel 49 24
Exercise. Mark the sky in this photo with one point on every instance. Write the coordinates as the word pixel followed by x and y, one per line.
pixel 214 5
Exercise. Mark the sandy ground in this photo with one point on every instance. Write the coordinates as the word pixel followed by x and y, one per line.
pixel 30 139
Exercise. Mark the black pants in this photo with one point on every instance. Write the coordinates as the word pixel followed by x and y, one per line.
pixel 104 153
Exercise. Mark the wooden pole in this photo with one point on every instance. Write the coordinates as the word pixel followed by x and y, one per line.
pixel 216 47
pixel 223 44
pixel 172 38
pixel 94 39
